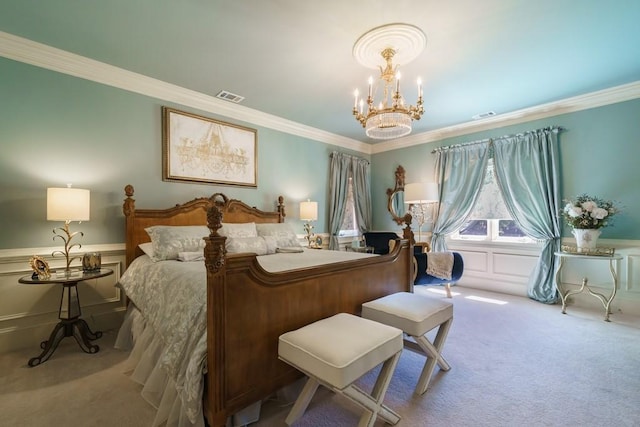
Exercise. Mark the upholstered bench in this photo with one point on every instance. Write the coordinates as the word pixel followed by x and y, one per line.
pixel 416 315
pixel 421 277
pixel 337 351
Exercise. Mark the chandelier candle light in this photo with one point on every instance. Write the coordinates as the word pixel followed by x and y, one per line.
pixel 67 204
pixel 390 118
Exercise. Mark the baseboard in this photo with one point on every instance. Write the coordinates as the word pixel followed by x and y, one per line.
pixel 30 336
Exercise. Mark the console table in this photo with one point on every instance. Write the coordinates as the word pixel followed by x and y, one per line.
pixel 605 300
pixel 70 325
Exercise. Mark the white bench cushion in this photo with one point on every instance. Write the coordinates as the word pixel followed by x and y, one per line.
pixel 340 349
pixel 414 314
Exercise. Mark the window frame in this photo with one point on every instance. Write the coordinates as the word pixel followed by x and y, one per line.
pixel 493 225
pixel 349 207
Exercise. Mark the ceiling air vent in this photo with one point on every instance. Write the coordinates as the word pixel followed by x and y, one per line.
pixel 483 115
pixel 228 96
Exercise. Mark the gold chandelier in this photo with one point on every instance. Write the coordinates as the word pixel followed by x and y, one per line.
pixel 390 117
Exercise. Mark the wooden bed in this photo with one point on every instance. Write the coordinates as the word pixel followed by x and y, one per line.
pixel 248 308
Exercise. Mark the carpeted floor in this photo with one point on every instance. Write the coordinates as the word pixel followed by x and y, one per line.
pixel 515 362
pixel 72 388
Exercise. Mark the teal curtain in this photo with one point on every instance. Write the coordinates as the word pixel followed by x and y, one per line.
pixel 460 172
pixel 341 167
pixel 528 175
pixel 361 178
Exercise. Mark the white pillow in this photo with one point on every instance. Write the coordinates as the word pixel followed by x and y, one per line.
pixel 283 233
pixel 147 248
pixel 168 241
pixel 256 245
pixel 247 229
pixel 272 244
pixel 191 256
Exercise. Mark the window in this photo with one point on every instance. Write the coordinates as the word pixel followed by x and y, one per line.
pixel 349 227
pixel 490 220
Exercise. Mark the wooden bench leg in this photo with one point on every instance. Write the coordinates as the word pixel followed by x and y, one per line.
pixel 434 355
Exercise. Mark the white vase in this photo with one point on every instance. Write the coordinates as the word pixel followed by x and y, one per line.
pixel 586 238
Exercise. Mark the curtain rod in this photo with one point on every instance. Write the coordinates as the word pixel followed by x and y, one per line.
pixel 339 153
pixel 480 141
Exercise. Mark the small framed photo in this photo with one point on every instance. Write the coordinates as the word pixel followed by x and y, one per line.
pixel 203 150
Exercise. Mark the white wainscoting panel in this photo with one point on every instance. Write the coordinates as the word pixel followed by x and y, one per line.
pixel 28 313
pixel 499 268
pixel 476 261
pixel 506 268
pixel 632 283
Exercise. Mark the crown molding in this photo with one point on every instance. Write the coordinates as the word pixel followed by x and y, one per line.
pixel 41 55
pixel 44 56
pixel 600 98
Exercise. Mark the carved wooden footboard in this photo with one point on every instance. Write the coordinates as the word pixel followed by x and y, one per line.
pixel 249 308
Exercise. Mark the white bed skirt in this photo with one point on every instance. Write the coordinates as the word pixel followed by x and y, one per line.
pixel 157 387
pixel 144 368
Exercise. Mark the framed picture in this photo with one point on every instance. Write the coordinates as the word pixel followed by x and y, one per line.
pixel 203 150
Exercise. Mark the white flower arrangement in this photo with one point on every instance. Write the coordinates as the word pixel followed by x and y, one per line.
pixel 586 212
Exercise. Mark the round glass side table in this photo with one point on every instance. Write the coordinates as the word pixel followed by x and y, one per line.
pixel 71 324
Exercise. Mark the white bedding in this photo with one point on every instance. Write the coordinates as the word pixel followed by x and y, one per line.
pixel 308 258
pixel 171 295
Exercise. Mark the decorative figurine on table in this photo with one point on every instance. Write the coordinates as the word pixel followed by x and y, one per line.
pixel 40 268
pixel 91 262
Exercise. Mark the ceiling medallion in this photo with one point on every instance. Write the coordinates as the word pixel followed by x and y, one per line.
pixel 390 118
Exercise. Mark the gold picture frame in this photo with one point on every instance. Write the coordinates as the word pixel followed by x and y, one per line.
pixel 203 150
pixel 40 267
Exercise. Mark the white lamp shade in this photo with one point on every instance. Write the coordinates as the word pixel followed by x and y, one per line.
pixel 68 204
pixel 421 192
pixel 309 211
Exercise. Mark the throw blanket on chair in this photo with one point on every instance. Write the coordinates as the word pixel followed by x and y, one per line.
pixel 440 264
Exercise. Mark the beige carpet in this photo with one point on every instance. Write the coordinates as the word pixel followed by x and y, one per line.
pixel 514 362
pixel 72 388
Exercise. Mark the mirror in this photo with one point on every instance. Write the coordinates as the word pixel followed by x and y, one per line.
pixel 395 199
pixel 397 203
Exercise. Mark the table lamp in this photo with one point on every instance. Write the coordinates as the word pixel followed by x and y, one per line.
pixel 418 195
pixel 308 213
pixel 67 204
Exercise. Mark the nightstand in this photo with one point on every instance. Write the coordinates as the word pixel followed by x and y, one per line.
pixel 70 325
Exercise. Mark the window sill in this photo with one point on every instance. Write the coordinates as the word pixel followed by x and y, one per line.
pixel 513 247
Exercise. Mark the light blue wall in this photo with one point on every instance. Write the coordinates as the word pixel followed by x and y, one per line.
pixel 57 129
pixel 599 155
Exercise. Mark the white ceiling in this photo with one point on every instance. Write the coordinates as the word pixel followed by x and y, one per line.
pixel 293 59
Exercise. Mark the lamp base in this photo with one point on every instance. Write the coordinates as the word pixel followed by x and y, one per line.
pixel 66 238
pixel 308 230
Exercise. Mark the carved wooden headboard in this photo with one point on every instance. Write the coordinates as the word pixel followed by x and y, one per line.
pixel 190 213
